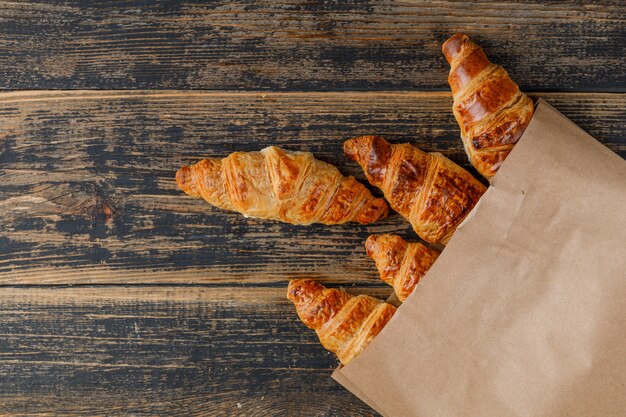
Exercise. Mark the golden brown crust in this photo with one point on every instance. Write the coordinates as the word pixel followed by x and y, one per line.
pixel 293 187
pixel 345 324
pixel 375 322
pixel 489 107
pixel 399 263
pixel 428 189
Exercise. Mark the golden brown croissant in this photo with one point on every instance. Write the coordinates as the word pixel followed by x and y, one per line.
pixel 433 193
pixel 489 107
pixel 280 185
pixel 345 324
pixel 400 264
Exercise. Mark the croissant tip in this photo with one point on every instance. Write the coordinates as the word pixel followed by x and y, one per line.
pixel 374 242
pixel 291 289
pixel 373 239
pixel 352 148
pixel 184 179
pixel 453 46
pixel 458 35
pixel 383 208
pixel 299 288
pixel 293 283
pixel 360 145
pixel 371 243
pixel 349 148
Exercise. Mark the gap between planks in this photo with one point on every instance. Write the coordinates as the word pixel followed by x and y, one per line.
pixel 127 294
pixel 57 95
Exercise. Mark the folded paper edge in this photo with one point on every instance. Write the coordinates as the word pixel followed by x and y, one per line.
pixel 338 374
pixel 346 382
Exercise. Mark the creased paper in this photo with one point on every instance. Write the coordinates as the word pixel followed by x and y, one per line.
pixel 524 313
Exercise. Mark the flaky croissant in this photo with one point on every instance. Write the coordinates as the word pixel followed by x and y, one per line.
pixel 400 264
pixel 345 324
pixel 489 107
pixel 433 193
pixel 276 184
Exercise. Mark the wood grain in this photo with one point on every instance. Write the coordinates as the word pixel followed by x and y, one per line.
pixel 305 45
pixel 122 296
pixel 192 351
pixel 88 190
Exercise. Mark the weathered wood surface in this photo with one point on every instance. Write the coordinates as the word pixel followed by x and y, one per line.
pixel 192 351
pixel 189 315
pixel 305 45
pixel 88 190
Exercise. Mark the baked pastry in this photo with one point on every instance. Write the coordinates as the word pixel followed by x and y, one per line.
pixel 489 107
pixel 400 264
pixel 276 184
pixel 433 193
pixel 345 324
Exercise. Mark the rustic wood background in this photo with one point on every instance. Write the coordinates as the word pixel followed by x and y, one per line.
pixel 122 296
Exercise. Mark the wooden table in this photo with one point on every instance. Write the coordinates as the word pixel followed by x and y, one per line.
pixel 121 295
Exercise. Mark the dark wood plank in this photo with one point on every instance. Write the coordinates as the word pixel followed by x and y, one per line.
pixel 305 45
pixel 163 351
pixel 87 190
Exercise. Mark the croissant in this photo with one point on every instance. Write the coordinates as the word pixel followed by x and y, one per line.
pixel 345 324
pixel 399 263
pixel 433 193
pixel 281 185
pixel 489 107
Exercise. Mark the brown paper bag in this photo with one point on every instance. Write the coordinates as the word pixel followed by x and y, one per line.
pixel 524 313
